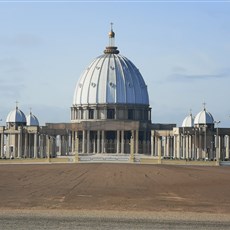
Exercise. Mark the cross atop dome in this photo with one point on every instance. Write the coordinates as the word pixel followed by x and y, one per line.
pixel 204 104
pixel 16 102
pixel 111 33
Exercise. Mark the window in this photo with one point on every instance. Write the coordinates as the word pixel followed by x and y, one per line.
pixel 146 113
pixel 91 114
pixel 130 114
pixel 110 113
pixel 80 114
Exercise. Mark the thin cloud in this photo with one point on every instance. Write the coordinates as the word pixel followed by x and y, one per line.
pixel 11 89
pixel 10 65
pixel 23 40
pixel 11 78
pixel 179 69
pixel 193 77
pixel 181 74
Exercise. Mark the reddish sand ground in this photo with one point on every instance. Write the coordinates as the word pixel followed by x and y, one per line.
pixel 126 187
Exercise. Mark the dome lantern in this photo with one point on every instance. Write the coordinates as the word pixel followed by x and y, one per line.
pixel 111 49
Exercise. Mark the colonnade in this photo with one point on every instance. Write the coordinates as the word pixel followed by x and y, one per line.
pixel 172 144
pixel 100 141
pixel 192 146
pixel 31 145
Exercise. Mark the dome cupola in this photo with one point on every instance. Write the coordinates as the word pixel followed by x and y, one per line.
pixel 31 120
pixel 16 116
pixel 188 121
pixel 204 118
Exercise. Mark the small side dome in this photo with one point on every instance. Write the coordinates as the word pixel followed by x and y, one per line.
pixel 31 120
pixel 16 116
pixel 188 121
pixel 204 118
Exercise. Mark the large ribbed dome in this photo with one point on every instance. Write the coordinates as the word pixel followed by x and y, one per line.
pixel 16 116
pixel 111 79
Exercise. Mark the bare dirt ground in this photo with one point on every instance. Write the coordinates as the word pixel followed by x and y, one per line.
pixel 116 187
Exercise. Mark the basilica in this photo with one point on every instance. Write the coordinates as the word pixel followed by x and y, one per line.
pixel 111 115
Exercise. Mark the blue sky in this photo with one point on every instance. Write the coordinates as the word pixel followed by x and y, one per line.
pixel 182 50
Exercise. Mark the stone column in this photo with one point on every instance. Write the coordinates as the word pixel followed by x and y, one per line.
pixel 159 149
pixel 88 141
pixel 200 146
pixel 152 143
pixel 156 146
pixel 35 145
pixel 2 145
pixel 94 142
pixel 63 145
pixel 43 148
pixel 83 141
pixel 178 143
pixel 8 146
pixel 190 146
pixel 118 141
pixel 168 146
pixel 174 146
pixel 59 143
pixel 183 147
pixel 187 146
pixel 96 114
pixel 98 141
pixel 132 139
pixel 41 145
pixel 227 147
pixel 77 159
pixel 132 149
pixel 171 146
pixel 218 147
pixel 122 141
pixel 195 146
pixel 104 115
pixel 76 147
pixel 102 141
pixel 20 143
pixel 144 143
pixel 72 142
pixel 47 146
pixel 53 146
pixel 137 141
pixel 26 145
pixel 165 146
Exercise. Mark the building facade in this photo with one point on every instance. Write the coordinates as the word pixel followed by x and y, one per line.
pixel 111 114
